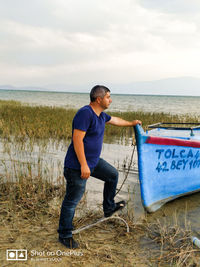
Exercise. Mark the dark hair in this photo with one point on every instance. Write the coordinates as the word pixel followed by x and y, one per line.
pixel 98 91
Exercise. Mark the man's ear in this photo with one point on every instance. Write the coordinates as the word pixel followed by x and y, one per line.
pixel 98 99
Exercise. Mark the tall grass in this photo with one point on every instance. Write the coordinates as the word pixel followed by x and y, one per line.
pixel 23 121
pixel 42 122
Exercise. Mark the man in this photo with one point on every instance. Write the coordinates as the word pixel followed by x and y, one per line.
pixel 83 160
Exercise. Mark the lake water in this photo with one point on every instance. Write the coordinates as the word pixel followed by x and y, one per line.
pixel 168 104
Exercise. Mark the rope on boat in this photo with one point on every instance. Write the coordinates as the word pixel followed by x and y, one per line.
pixel 100 221
pixel 128 170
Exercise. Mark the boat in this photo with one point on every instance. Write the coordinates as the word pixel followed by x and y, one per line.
pixel 168 162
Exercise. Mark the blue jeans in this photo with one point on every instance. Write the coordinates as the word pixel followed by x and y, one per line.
pixel 76 187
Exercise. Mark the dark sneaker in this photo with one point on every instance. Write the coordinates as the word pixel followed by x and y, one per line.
pixel 119 205
pixel 68 242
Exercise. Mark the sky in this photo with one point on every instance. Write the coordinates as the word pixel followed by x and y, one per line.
pixel 48 43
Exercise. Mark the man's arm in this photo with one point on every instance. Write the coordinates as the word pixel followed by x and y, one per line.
pixel 78 136
pixel 120 122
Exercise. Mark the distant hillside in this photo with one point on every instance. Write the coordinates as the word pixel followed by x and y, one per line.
pixel 7 87
pixel 29 88
pixel 172 86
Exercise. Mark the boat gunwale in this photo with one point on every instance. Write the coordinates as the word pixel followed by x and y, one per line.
pixel 157 125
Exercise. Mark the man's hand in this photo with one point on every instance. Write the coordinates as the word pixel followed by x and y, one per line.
pixel 135 122
pixel 85 172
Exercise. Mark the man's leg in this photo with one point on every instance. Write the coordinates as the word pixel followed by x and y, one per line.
pixel 75 189
pixel 107 173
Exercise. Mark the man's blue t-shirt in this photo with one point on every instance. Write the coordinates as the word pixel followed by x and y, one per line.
pixel 87 120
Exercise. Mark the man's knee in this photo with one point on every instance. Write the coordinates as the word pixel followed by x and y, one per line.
pixel 74 192
pixel 114 174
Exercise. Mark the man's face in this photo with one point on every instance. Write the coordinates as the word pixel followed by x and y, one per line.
pixel 105 101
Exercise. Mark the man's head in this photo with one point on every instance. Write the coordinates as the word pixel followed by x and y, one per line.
pixel 98 91
pixel 100 96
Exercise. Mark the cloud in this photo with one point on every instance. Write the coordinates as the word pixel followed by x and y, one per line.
pixel 177 7
pixel 78 41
